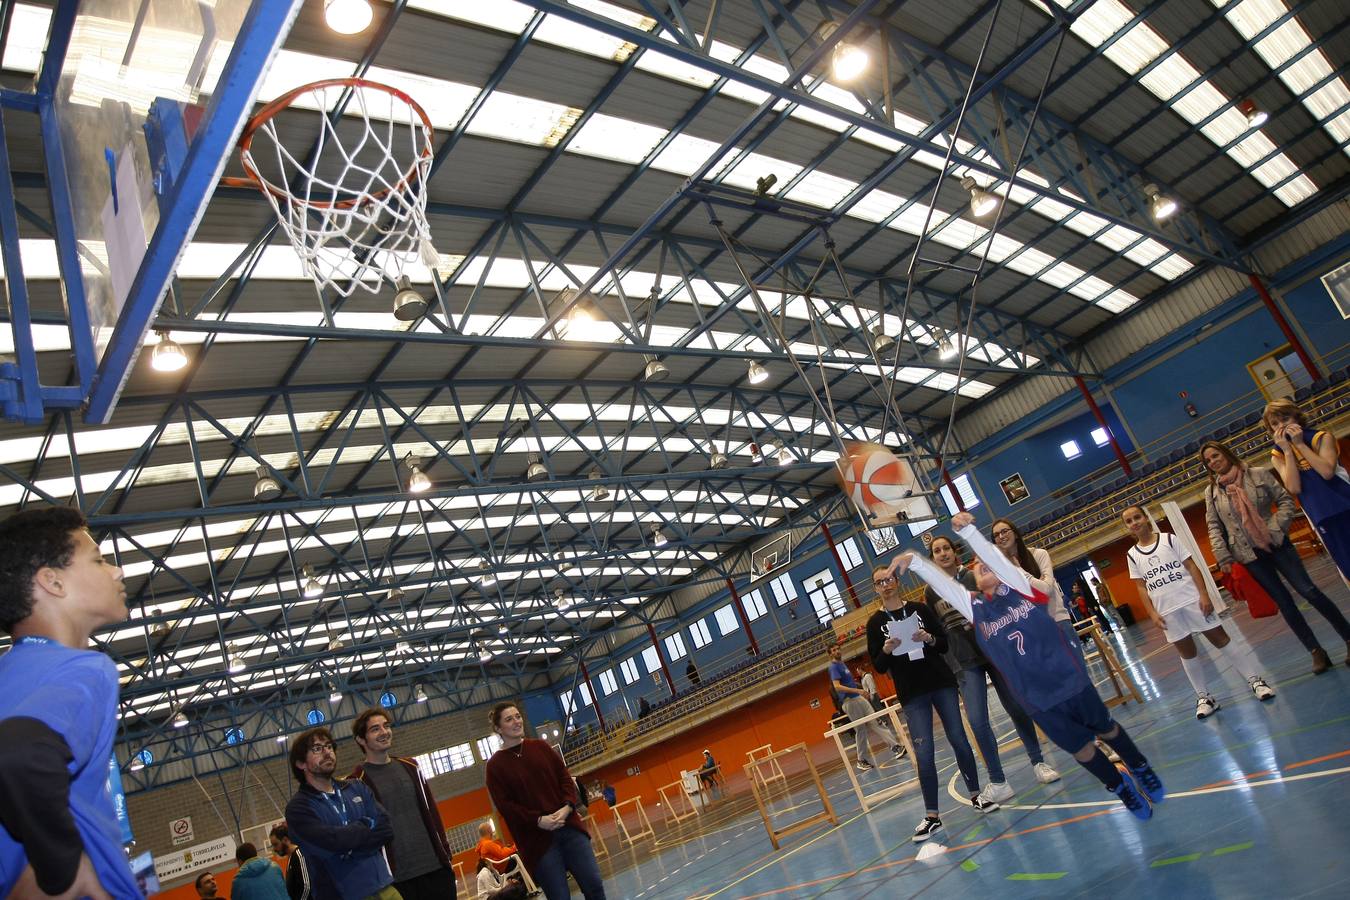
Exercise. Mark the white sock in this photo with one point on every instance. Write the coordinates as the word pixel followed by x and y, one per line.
pixel 1195 672
pixel 1240 657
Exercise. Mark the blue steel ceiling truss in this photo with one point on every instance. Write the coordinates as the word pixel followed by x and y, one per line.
pixel 344 509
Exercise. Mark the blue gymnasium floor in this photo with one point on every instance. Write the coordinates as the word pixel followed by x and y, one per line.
pixel 1257 806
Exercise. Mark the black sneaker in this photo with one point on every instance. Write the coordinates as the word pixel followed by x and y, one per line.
pixel 981 804
pixel 1149 783
pixel 926 829
pixel 862 766
pixel 899 750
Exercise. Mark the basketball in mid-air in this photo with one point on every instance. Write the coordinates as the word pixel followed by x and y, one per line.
pixel 875 478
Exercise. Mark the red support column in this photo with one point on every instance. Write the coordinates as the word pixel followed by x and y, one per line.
pixel 951 486
pixel 1304 356
pixel 740 611
pixel 670 682
pixel 843 569
pixel 1101 420
pixel 595 697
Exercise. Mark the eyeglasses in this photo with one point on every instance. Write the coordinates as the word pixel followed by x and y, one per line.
pixel 320 747
pixel 880 581
pixel 1001 532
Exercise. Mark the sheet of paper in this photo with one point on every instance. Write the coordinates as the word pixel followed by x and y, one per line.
pixel 903 631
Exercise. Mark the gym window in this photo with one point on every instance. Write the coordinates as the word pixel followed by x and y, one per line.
pixel 1100 437
pixel 630 670
pixel 675 647
pixel 754 605
pixel 652 660
pixel 698 632
pixel 1070 450
pixel 849 554
pixel 726 620
pixel 608 683
pixel 964 489
pixel 488 746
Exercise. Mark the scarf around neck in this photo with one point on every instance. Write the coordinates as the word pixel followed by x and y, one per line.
pixel 1252 523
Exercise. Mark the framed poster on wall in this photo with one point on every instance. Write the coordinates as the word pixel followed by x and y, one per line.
pixel 1337 283
pixel 1014 489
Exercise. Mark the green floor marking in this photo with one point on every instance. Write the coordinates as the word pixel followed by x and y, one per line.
pixel 1189 857
pixel 973 833
pixel 1036 876
pixel 969 865
pixel 1233 849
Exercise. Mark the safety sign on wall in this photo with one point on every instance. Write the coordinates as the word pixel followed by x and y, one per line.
pixel 181 830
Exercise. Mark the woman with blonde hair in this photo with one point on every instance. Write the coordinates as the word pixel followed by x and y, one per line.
pixel 1242 528
pixel 1308 463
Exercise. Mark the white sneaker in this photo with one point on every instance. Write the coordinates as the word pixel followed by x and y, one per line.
pixel 997 792
pixel 1205 706
pixel 1045 773
pixel 1259 687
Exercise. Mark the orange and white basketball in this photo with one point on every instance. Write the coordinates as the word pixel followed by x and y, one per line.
pixel 876 479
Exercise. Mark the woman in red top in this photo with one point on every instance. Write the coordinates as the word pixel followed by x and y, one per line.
pixel 537 798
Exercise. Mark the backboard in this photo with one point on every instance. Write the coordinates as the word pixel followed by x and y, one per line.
pixel 146 102
pixel 770 557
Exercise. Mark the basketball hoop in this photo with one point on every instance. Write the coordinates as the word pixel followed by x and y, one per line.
pixel 355 214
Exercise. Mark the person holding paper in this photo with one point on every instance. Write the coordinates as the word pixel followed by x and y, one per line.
pixel 1018 636
pixel 906 641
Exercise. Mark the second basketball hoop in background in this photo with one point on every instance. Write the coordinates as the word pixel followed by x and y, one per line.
pixel 352 199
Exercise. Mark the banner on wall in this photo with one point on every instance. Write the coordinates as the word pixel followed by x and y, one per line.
pixel 202 856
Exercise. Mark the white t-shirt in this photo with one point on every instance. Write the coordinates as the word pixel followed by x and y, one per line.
pixel 1162 568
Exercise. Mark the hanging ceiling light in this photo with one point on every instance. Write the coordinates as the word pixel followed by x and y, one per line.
pixel 310 586
pixel 536 471
pixel 281 739
pixel 180 719
pixel 946 348
pixel 168 355
pixel 420 695
pixel 347 16
pixel 982 202
pixel 1161 207
pixel 881 341
pixel 485 655
pixel 409 306
pixel 599 492
pixel 502 629
pixel 395 595
pixel 784 457
pixel 1256 116
pixel 334 642
pixel 418 482
pixel 756 373
pixel 334 695
pixel 486 577
pixel 659 538
pixel 136 764
pixel 719 460
pixel 848 61
pixel 265 487
pixel 756 455
pixel 655 370
pixel 237 663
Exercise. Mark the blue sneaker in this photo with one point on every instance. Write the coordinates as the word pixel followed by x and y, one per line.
pixel 1131 797
pixel 1150 783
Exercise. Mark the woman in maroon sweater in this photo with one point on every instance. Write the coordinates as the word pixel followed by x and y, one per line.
pixel 537 798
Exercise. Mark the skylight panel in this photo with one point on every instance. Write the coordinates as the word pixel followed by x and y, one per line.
pixel 1139 46
pixel 621 140
pixel 1251 17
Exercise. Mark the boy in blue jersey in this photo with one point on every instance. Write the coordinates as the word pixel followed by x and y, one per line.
pixel 1020 639
pixel 59 833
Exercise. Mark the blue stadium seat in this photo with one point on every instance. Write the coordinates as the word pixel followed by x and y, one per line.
pixel 1340 375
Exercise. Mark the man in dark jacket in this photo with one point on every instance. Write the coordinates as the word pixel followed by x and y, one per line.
pixel 257 878
pixel 419 853
pixel 301 883
pixel 339 825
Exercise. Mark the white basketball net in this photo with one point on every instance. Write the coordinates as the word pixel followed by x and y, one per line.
pixel 356 213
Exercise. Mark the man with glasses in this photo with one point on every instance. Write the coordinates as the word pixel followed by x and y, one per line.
pixel 420 854
pixel 338 823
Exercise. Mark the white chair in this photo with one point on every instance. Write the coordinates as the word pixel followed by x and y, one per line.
pixel 516 868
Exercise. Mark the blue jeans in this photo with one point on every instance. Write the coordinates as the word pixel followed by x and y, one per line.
pixel 976 694
pixel 919 715
pixel 1026 729
pixel 570 852
pixel 1284 560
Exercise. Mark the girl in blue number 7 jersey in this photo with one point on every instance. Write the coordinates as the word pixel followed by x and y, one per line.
pixel 1020 639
